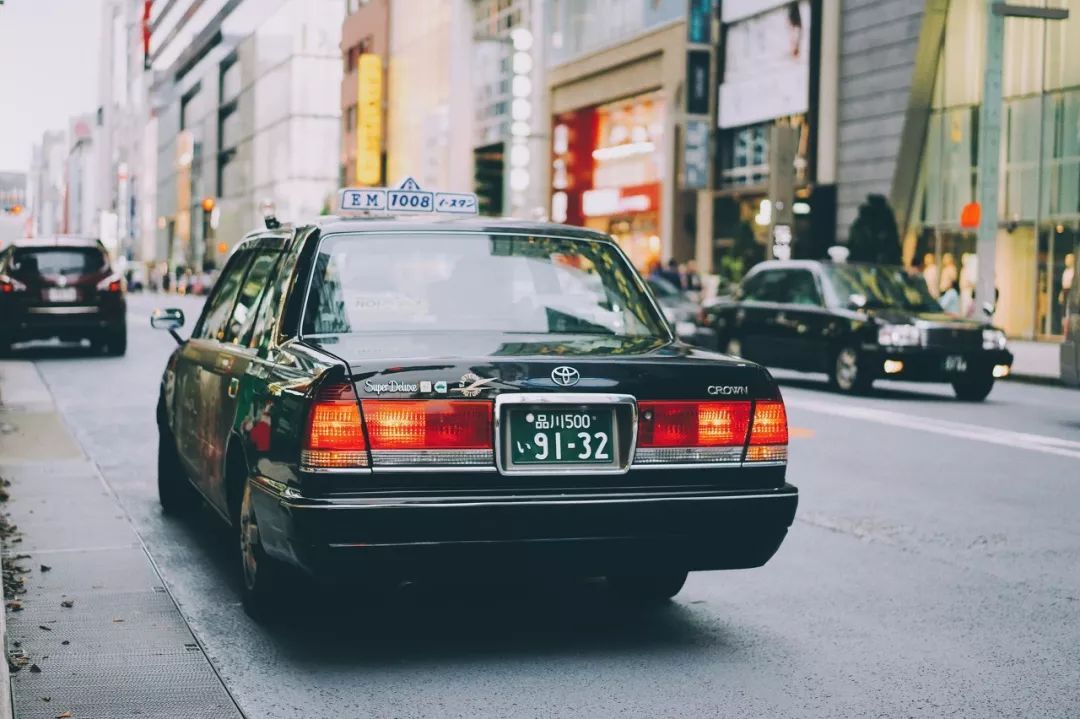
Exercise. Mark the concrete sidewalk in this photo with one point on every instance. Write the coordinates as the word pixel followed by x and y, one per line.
pixel 1036 360
pixel 95 633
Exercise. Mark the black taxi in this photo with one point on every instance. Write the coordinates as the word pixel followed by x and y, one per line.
pixel 857 322
pixel 393 396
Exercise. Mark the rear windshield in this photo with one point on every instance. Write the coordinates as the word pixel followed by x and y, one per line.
pixel 472 282
pixel 881 286
pixel 57 261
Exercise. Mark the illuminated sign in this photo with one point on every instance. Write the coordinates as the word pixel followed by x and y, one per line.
pixel 369 120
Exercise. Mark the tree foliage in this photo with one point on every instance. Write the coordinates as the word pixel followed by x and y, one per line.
pixel 873 236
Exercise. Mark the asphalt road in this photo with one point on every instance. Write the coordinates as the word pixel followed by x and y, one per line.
pixel 933 570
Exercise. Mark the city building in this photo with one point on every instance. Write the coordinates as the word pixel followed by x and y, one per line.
pixel 246 105
pixel 910 90
pixel 429 94
pixel 45 184
pixel 615 76
pixel 80 183
pixel 365 37
pixel 511 143
pixel 13 212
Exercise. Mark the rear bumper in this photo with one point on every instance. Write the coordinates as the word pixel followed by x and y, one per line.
pixel 26 323
pixel 418 536
pixel 928 364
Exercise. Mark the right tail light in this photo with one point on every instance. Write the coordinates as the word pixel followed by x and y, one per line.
pixel 768 432
pixel 693 432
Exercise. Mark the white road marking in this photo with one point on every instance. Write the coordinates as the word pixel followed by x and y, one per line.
pixel 978 433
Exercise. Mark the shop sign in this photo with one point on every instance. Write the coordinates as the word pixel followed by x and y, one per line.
pixel 696 155
pixel 697 82
pixel 369 120
pixel 618 201
pixel 698 20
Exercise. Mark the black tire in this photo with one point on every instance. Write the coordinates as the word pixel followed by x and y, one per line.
pixel 650 587
pixel 848 372
pixel 973 389
pixel 175 492
pixel 116 342
pixel 262 578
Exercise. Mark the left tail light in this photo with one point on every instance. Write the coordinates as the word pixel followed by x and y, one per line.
pixel 10 284
pixel 426 433
pixel 112 283
pixel 335 431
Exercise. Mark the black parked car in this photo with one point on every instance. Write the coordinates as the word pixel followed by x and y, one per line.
pixel 858 323
pixel 682 311
pixel 380 397
pixel 61 287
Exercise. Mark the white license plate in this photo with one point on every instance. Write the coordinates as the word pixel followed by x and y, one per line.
pixel 955 363
pixel 60 294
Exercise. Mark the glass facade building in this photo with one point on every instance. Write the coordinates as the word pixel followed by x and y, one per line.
pixel 1039 200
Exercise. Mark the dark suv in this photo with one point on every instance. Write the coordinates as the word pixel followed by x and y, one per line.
pixel 61 287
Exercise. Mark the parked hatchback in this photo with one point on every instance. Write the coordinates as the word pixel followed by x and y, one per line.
pixel 61 287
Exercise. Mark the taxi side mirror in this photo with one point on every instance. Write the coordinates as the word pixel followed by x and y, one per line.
pixel 170 319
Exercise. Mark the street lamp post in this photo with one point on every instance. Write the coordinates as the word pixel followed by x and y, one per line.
pixel 990 140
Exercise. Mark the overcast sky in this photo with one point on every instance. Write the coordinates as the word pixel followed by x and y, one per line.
pixel 49 65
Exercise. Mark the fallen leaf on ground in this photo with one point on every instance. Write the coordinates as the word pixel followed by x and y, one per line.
pixel 46 699
pixel 67 603
pixel 35 669
pixel 65 642
pixel 65 715
pixel 42 626
pixel 15 605
pixel 117 621
pixel 46 568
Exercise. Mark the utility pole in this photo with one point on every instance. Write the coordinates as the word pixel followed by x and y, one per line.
pixel 990 141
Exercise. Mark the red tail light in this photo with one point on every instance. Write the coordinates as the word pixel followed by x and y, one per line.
pixel 693 424
pixel 112 283
pixel 768 433
pixel 335 431
pixel 429 424
pixel 10 284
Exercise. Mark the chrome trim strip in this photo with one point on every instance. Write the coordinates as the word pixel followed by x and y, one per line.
pixel 752 463
pixel 593 399
pixel 690 465
pixel 730 456
pixel 465 458
pixel 435 469
pixel 334 470
pixel 398 504
pixel 63 310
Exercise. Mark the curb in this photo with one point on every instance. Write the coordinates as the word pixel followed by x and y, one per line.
pixel 1044 380
pixel 6 710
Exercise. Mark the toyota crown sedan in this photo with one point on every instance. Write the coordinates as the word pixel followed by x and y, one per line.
pixel 393 398
pixel 857 323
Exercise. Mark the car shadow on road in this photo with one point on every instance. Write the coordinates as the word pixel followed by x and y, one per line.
pixel 34 351
pixel 359 625
pixel 878 391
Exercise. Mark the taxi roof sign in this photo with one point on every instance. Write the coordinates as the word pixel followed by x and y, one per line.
pixel 408 196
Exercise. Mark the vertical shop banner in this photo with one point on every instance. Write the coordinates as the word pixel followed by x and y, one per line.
pixel 698 21
pixel 697 82
pixel 369 120
pixel 696 155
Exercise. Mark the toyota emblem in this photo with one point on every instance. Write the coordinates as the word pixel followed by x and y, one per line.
pixel 565 376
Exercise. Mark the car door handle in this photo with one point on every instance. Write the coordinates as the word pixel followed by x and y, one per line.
pixel 234 387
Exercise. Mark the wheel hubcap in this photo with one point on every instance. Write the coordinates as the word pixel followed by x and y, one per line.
pixel 847 368
pixel 249 540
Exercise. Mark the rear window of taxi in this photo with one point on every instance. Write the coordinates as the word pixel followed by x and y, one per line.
pixel 476 282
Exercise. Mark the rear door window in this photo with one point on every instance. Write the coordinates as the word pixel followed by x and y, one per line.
pixel 53 261
pixel 247 302
pixel 219 305
pixel 767 286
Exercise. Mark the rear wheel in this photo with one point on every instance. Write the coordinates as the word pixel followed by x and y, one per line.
pixel 175 492
pixel 655 586
pixel 973 389
pixel 261 574
pixel 848 372
pixel 116 342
